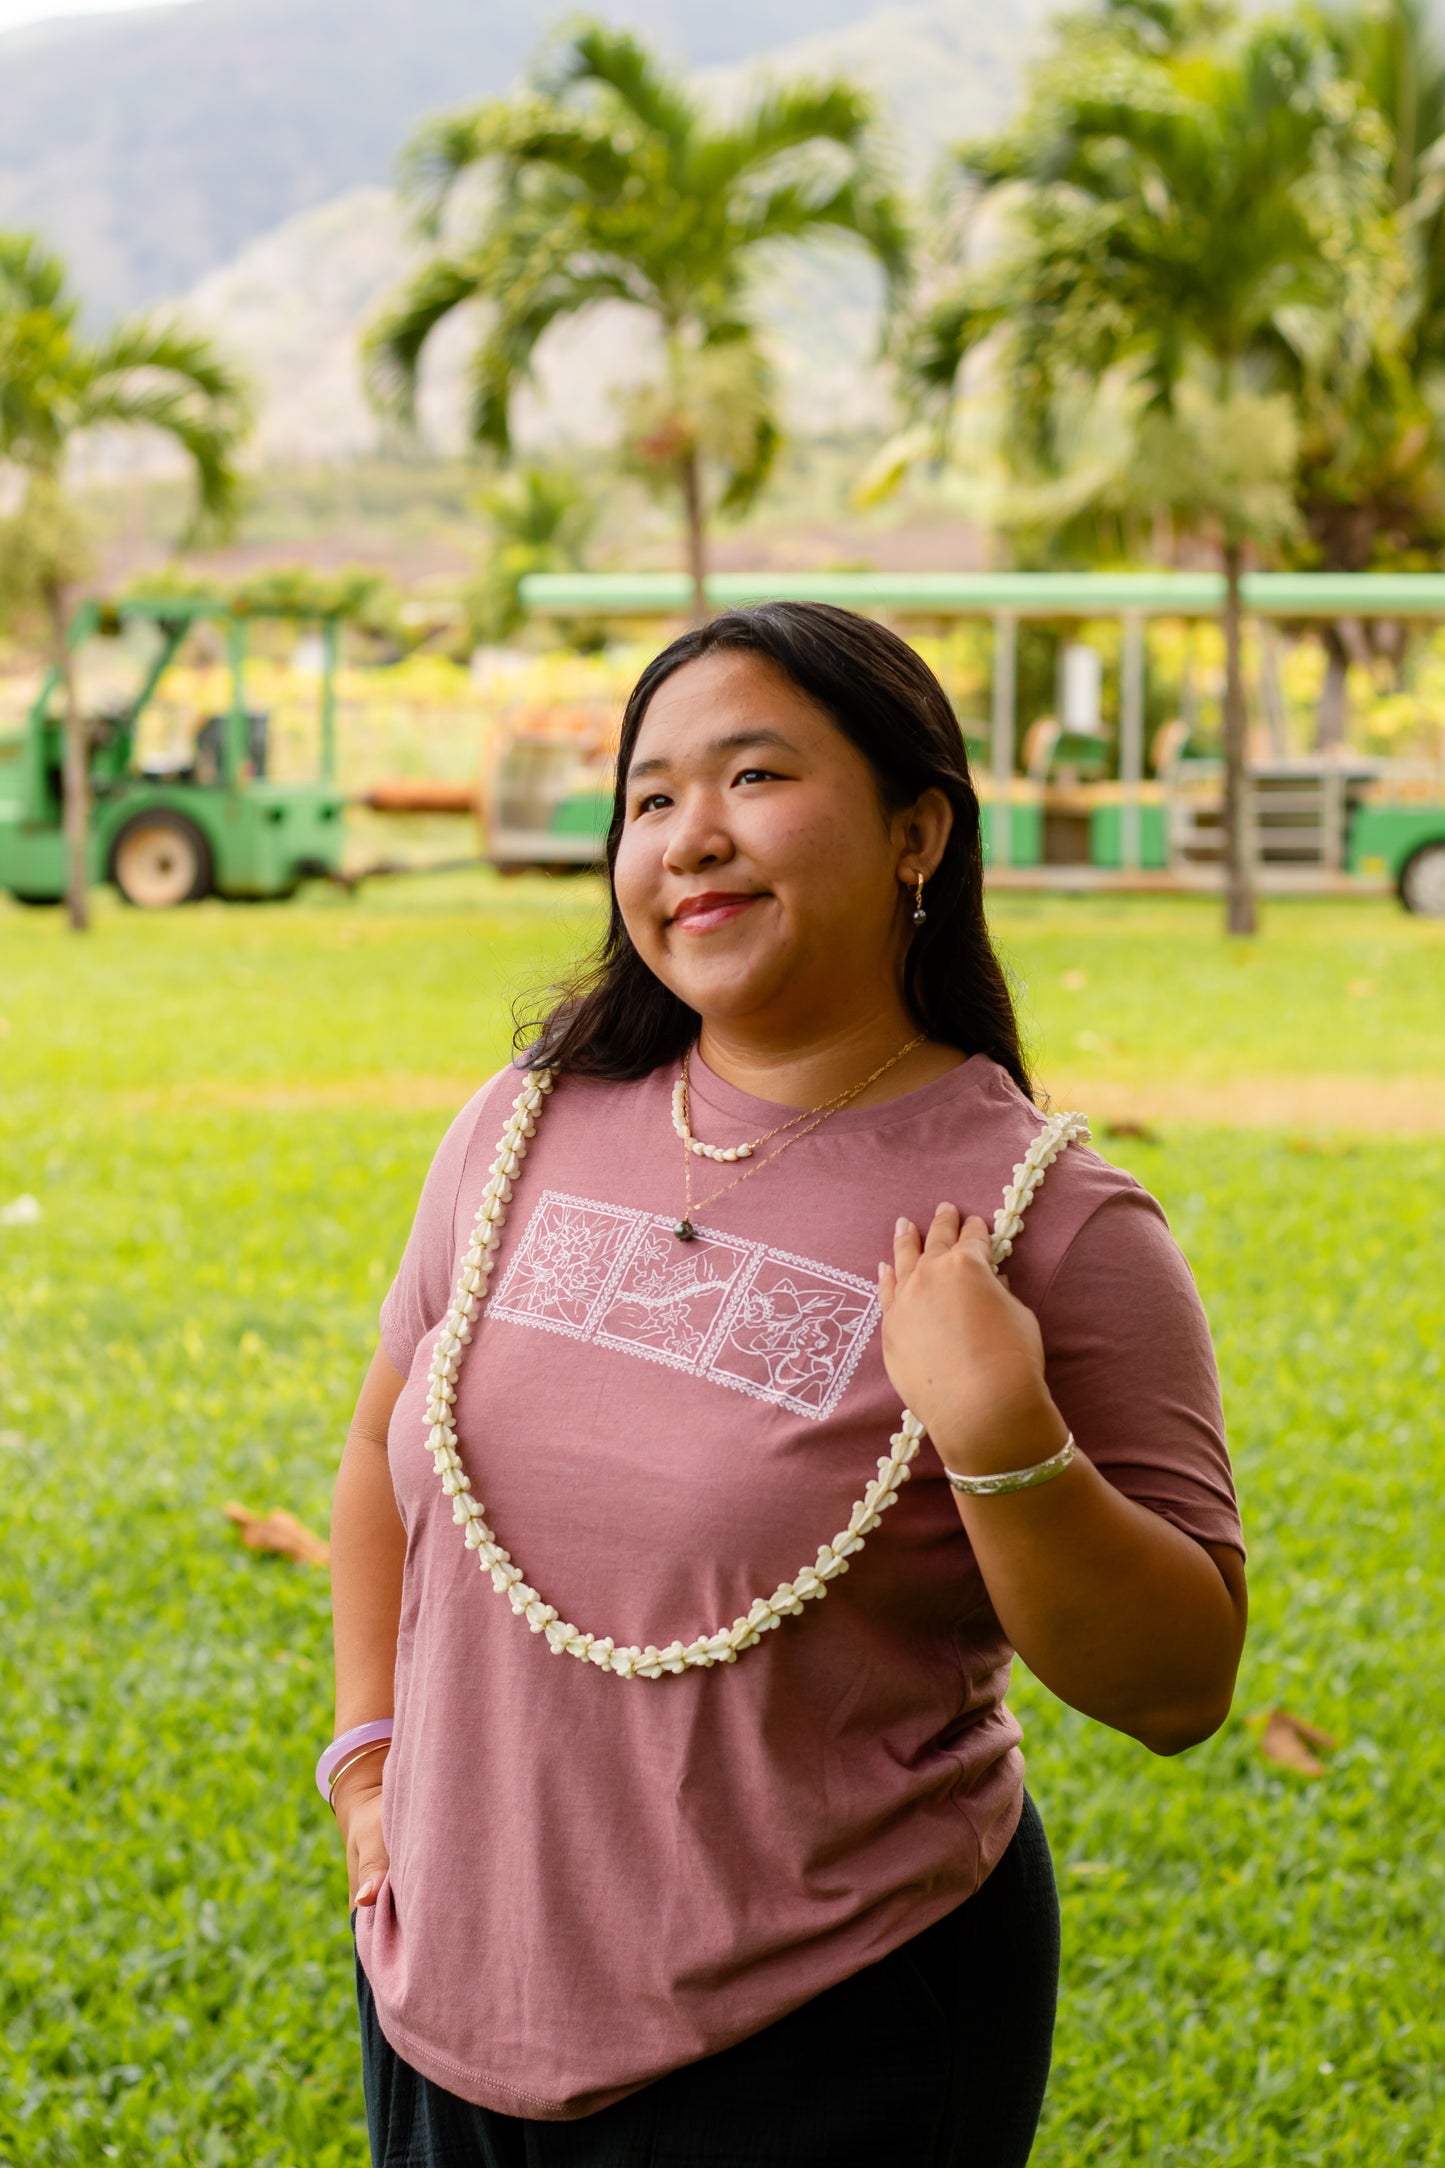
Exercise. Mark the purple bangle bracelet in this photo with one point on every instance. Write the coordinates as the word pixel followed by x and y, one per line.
pixel 358 1736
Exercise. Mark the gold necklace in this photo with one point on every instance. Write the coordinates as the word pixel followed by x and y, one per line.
pixel 813 1116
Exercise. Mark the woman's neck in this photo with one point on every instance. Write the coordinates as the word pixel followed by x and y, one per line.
pixel 811 1067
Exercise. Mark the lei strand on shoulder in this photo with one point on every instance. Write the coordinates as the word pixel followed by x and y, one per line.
pixel 765 1612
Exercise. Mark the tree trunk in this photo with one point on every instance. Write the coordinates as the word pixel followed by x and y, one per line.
pixel 691 479
pixel 75 771
pixel 1334 709
pixel 1238 874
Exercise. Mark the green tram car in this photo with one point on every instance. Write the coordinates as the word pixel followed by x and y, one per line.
pixel 1078 806
pixel 169 831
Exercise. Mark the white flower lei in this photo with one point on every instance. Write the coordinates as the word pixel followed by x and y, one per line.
pixel 765 1612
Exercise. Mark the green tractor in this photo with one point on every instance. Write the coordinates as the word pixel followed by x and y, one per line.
pixel 169 831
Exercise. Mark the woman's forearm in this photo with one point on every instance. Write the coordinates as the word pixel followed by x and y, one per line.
pixel 1118 1612
pixel 368 1546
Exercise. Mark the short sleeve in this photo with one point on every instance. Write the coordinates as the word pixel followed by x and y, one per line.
pixel 1131 1367
pixel 417 1299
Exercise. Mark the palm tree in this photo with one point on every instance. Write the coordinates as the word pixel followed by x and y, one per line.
pixel 540 518
pixel 610 183
pixel 1193 205
pixel 1372 464
pixel 56 384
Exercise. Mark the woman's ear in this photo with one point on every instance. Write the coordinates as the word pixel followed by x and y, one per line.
pixel 921 832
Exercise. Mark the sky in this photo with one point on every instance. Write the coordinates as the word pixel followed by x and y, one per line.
pixel 15 12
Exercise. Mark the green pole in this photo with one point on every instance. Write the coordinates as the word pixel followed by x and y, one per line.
pixel 235 755
pixel 1003 703
pixel 330 645
pixel 1131 741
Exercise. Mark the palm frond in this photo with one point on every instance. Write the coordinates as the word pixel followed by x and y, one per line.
pixel 747 477
pixel 503 358
pixel 856 207
pixel 175 350
pixel 784 118
pixel 445 147
pixel 942 337
pixel 581 152
pixel 977 167
pixel 392 347
pixel 514 136
pixel 594 54
pixel 31 278
pixel 186 418
pixel 38 385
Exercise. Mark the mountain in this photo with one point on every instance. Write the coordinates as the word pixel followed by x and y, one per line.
pixel 292 303
pixel 941 69
pixel 150 147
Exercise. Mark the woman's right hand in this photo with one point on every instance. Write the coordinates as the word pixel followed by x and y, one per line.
pixel 357 1801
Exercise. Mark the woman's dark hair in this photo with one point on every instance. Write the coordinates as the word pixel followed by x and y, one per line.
pixel 617 1020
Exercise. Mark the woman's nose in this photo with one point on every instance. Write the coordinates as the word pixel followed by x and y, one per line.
pixel 697 837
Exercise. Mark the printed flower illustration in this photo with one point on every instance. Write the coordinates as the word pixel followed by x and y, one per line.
pixel 800 1336
pixel 565 1264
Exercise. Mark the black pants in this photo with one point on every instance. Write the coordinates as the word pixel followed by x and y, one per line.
pixel 935 2057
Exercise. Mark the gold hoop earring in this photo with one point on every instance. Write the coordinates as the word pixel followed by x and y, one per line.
pixel 919 914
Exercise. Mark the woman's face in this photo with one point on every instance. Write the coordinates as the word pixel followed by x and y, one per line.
pixel 758 874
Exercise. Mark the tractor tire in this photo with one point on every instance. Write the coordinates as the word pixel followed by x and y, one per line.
pixel 1422 882
pixel 159 860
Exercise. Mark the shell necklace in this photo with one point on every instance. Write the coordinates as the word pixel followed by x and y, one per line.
pixel 813 1116
pixel 787 1600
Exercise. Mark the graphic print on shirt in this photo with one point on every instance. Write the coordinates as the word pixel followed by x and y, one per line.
pixel 738 1313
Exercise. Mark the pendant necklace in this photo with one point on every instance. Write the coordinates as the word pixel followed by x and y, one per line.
pixel 814 1117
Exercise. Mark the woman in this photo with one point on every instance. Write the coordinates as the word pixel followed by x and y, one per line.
pixel 754 1879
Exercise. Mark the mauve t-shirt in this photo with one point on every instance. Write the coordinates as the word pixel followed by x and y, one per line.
pixel 593 1879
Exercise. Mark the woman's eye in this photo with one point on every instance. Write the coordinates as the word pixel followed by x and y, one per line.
pixel 645 805
pixel 757 775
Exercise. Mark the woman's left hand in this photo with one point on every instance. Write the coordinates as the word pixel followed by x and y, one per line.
pixel 963 1353
pixel 1121 1614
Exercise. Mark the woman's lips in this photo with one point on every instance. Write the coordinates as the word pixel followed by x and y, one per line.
pixel 700 914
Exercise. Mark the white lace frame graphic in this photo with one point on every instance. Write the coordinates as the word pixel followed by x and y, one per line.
pixel 738 1313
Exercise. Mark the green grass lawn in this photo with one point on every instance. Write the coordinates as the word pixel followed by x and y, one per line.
pixel 225 1115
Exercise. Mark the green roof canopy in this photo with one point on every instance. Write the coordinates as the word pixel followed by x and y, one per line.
pixel 969 594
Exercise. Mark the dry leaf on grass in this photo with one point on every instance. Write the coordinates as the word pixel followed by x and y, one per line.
pixel 1287 1741
pixel 1140 1131
pixel 280 1532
